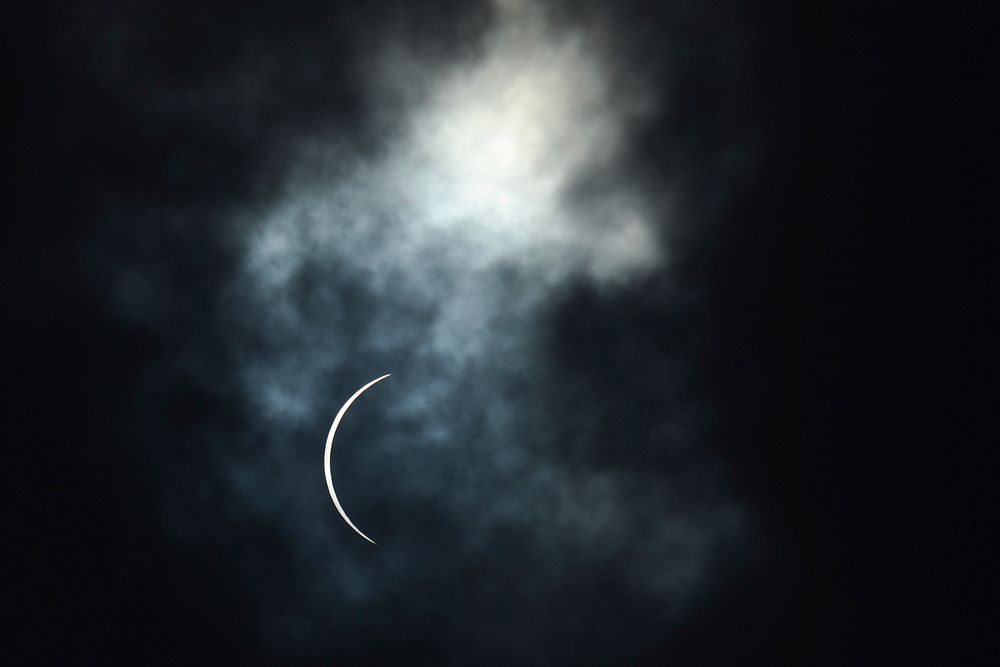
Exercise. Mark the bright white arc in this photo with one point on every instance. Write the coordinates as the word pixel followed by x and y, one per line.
pixel 329 451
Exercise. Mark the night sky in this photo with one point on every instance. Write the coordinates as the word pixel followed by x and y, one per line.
pixel 660 287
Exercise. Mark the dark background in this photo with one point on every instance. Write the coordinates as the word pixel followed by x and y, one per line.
pixel 842 290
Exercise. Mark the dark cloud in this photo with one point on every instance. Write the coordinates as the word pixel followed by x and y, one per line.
pixel 554 224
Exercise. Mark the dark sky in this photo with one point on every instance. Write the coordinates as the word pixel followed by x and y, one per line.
pixel 659 286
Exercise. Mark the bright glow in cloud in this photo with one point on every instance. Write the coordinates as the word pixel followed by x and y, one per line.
pixel 483 168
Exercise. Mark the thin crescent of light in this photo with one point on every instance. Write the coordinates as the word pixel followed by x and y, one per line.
pixel 329 451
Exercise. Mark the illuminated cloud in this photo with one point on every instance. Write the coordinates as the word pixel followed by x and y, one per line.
pixel 501 180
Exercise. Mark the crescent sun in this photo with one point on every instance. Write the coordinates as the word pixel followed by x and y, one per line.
pixel 329 451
